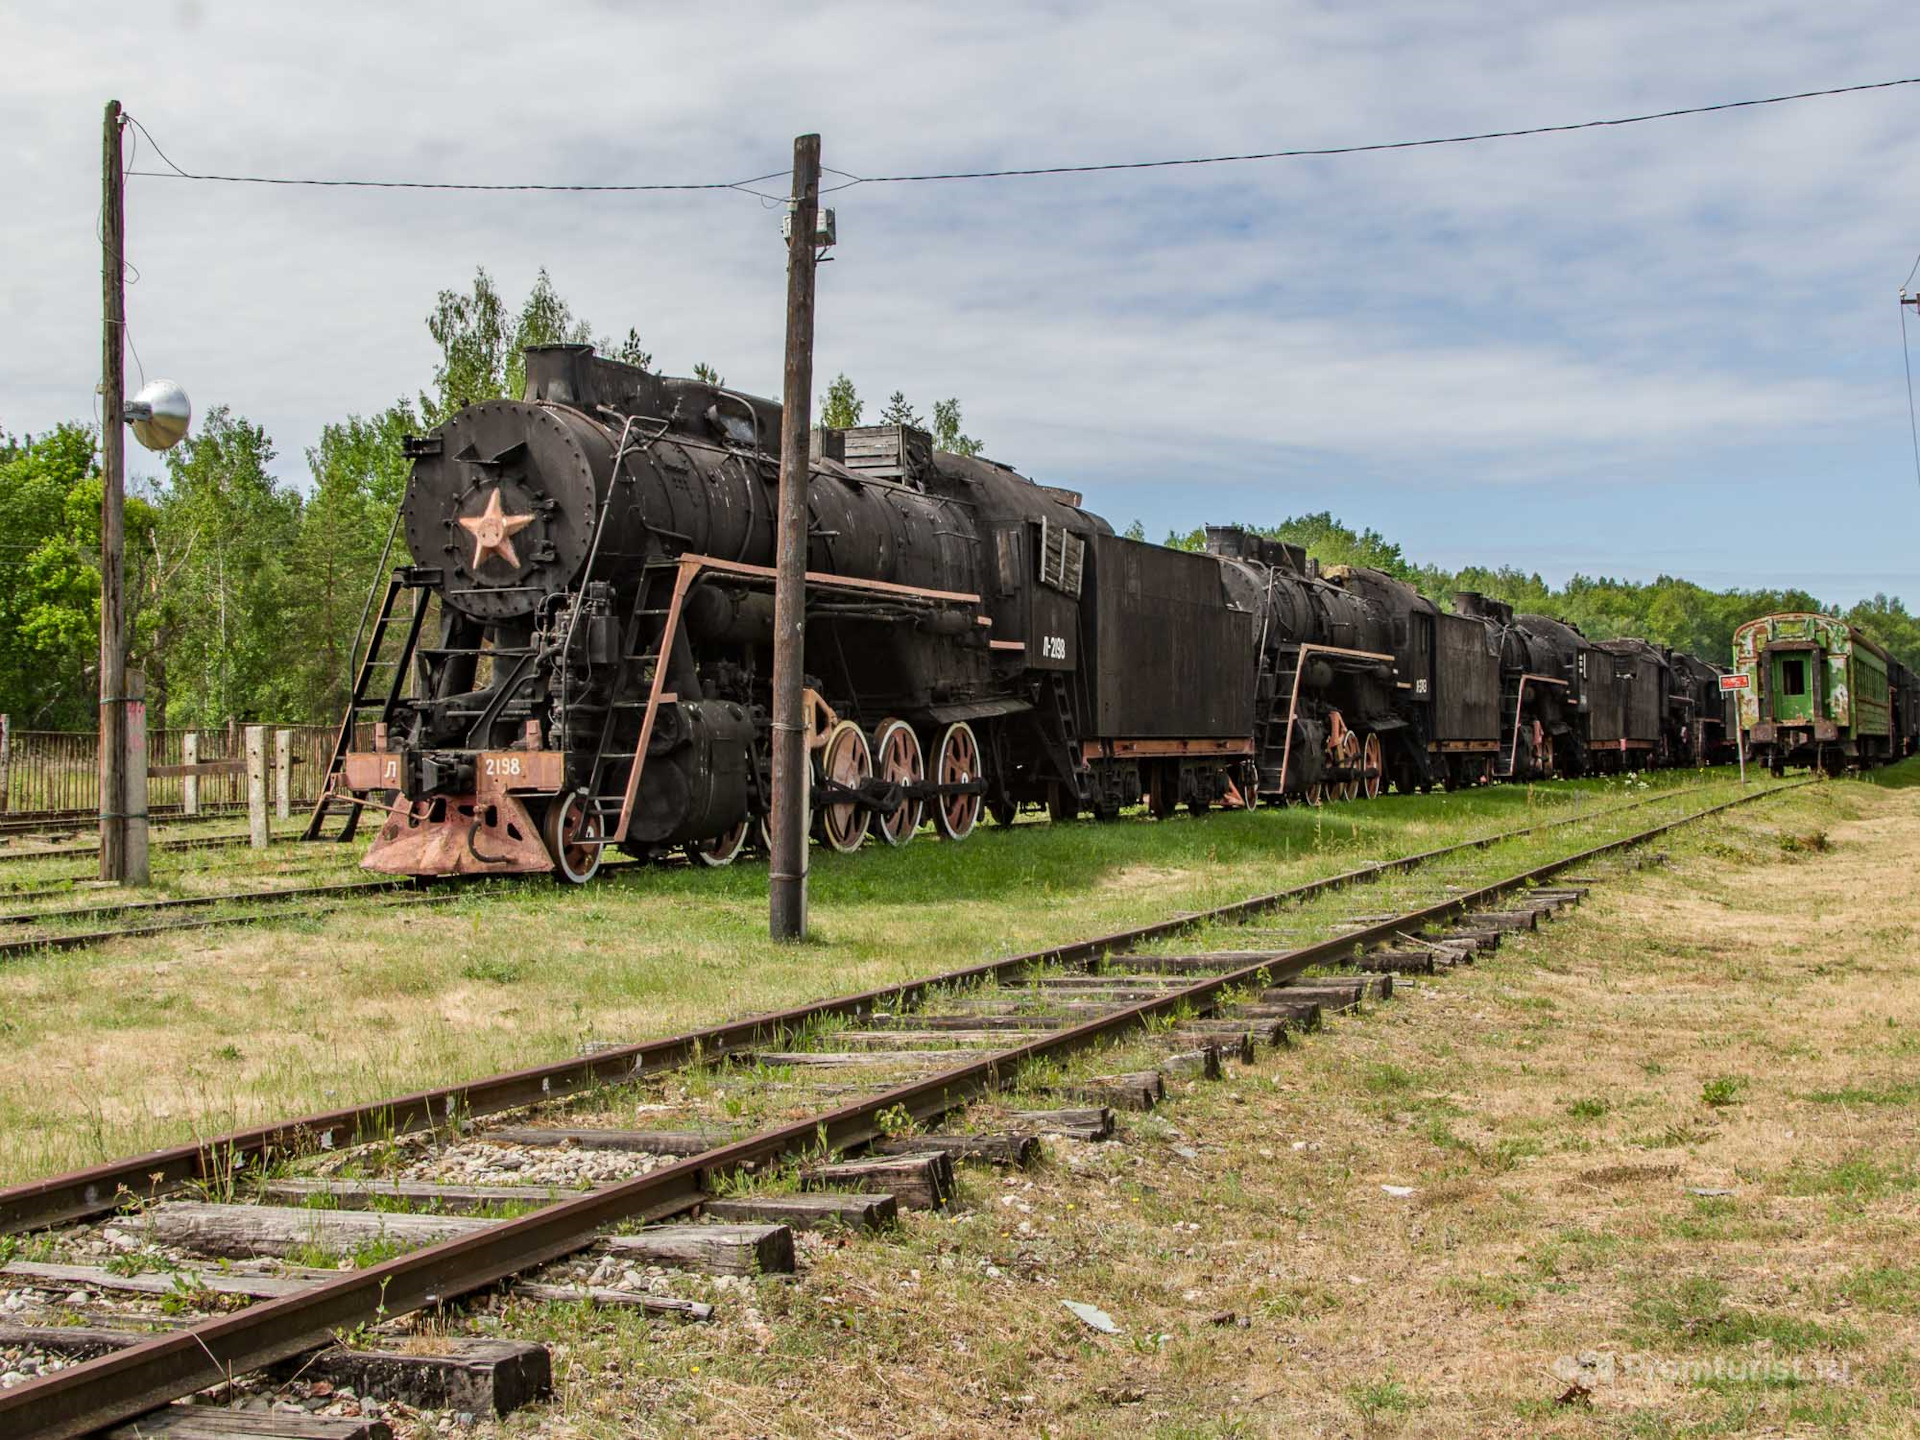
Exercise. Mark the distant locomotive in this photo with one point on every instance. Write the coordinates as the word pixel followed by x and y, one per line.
pixel 1821 694
pixel 587 627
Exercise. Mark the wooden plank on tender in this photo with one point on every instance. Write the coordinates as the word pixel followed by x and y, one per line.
pixel 643 1142
pixel 714 1249
pixel 808 1210
pixel 242 1230
pixel 1080 1123
pixel 481 1377
pixel 153 1282
pixel 613 1297
pixel 187 1421
pixel 918 1180
pixel 1140 1090
pixel 1004 1149
pixel 448 1199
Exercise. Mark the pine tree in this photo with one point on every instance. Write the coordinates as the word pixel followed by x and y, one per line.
pixel 899 412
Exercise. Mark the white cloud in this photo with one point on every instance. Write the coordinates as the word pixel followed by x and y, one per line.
pixel 1635 306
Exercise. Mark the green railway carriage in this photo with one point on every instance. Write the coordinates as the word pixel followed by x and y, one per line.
pixel 1819 693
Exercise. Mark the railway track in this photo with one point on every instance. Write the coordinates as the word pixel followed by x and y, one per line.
pixel 172 846
pixel 303 901
pixel 863 1072
pixel 75 821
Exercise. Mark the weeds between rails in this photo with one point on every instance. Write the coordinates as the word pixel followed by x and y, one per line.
pixel 481 1253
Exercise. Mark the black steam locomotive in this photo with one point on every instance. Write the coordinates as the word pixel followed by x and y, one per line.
pixel 588 626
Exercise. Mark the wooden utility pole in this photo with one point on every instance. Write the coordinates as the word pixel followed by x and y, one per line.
pixel 118 853
pixel 792 782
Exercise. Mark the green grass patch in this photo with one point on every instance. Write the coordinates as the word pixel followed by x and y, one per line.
pixel 1694 1311
pixel 1859 1177
pixel 1721 1090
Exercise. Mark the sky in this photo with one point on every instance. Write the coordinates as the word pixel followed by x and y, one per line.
pixel 1671 348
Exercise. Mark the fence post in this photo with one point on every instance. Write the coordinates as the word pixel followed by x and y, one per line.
pixel 134 783
pixel 283 773
pixel 257 784
pixel 6 759
pixel 190 782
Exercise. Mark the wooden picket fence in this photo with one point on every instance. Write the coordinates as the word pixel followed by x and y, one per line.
pixel 57 772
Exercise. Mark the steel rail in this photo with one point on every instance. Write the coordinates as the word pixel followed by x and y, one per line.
pixel 81 940
pixel 200 902
pixel 119 1386
pixel 33 822
pixel 82 852
pixel 100 1189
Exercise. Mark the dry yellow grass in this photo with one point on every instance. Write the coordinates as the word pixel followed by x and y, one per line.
pixel 1746 1020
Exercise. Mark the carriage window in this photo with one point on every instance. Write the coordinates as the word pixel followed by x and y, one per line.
pixel 1793 677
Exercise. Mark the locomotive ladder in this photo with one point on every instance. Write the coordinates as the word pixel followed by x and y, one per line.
pixel 1063 718
pixel 363 699
pixel 1513 696
pixel 648 639
pixel 1271 728
pixel 1511 687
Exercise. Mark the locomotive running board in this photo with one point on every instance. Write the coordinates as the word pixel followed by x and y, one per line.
pixel 690 568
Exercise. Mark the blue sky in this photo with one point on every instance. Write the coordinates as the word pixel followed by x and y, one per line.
pixel 1669 348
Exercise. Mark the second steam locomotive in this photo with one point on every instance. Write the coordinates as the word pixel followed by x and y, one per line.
pixel 587 625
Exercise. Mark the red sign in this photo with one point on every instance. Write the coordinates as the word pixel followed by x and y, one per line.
pixel 1736 682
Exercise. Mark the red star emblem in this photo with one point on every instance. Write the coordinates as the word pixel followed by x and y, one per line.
pixel 493 531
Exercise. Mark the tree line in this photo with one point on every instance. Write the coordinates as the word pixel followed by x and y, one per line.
pixel 245 590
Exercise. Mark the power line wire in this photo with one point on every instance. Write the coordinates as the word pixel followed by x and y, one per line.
pixel 1906 357
pixel 1394 144
pixel 176 172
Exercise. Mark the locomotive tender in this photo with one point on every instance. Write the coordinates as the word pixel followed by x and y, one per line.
pixel 588 619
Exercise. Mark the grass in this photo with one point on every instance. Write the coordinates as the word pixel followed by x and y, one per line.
pixel 1551 1212
pixel 158 1041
